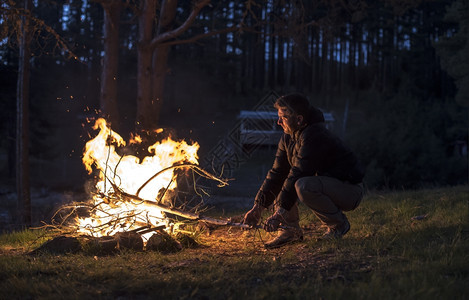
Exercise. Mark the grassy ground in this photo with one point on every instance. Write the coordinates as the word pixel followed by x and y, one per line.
pixel 402 245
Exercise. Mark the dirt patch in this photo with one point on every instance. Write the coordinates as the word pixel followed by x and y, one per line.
pixel 295 259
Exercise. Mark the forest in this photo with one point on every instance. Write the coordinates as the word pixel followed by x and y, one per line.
pixel 395 75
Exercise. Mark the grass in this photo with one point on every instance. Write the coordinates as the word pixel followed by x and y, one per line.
pixel 402 245
pixel 22 240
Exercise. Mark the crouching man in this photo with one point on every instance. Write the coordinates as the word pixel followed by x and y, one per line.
pixel 312 165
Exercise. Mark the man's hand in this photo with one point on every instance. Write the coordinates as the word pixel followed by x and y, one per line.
pixel 273 222
pixel 253 216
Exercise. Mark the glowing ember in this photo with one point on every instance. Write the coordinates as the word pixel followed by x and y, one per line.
pixel 130 175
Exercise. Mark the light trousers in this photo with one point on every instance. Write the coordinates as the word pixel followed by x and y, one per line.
pixel 328 197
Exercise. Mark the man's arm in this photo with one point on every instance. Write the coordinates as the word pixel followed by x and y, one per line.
pixel 275 177
pixel 271 185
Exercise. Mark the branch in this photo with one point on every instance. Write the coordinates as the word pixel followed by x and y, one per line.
pixel 182 213
pixel 285 32
pixel 7 12
pixel 181 29
pixel 183 165
pixel 200 36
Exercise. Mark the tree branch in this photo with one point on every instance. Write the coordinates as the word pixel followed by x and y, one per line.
pixel 181 29
pixel 200 36
pixel 232 29
pixel 11 15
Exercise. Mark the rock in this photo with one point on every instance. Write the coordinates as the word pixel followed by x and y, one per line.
pixel 129 240
pixel 163 242
pixel 59 245
pixel 105 245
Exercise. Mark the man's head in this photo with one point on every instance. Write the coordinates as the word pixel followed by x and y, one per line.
pixel 293 111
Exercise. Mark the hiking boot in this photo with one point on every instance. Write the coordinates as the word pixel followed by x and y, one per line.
pixel 285 236
pixel 338 231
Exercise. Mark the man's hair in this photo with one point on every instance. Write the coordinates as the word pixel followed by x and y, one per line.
pixel 295 103
pixel 299 104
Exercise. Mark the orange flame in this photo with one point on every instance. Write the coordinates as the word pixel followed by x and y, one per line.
pixel 129 174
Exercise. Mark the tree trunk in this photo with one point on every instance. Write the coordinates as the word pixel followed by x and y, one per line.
pixel 22 122
pixel 153 56
pixel 108 100
pixel 145 107
pixel 350 79
pixel 280 64
pixel 160 59
pixel 324 67
pixel 261 60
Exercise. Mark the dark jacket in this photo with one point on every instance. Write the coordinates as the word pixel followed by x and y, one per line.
pixel 312 150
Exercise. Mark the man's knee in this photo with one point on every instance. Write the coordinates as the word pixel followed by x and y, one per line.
pixel 310 184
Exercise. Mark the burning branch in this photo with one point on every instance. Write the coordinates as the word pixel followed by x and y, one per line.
pixel 175 211
pixel 195 167
pixel 130 204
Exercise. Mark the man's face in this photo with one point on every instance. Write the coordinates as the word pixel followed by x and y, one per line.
pixel 288 120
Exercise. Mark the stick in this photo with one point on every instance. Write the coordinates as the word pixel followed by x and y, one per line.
pixel 190 215
pixel 183 165
pixel 197 217
pixel 184 214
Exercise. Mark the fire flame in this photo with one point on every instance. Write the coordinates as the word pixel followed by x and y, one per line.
pixel 129 175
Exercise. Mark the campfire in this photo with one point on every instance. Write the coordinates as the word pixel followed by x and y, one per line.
pixel 121 176
pixel 133 195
